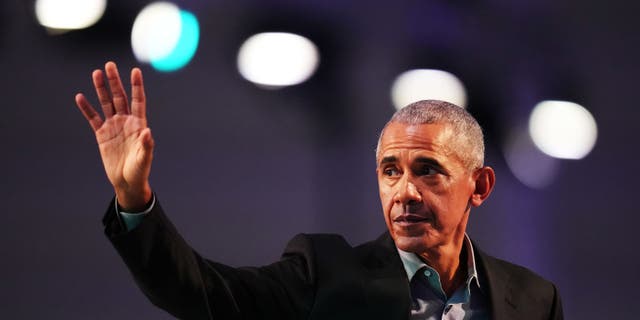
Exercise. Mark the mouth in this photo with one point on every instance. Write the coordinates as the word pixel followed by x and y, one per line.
pixel 410 218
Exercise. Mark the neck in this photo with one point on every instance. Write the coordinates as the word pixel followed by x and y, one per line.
pixel 449 262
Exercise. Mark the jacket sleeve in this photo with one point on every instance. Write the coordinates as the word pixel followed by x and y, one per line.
pixel 177 279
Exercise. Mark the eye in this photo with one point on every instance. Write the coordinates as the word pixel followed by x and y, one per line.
pixel 390 171
pixel 426 171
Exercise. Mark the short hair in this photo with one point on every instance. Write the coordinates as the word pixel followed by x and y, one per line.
pixel 469 146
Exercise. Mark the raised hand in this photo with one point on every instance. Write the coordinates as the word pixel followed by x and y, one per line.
pixel 124 140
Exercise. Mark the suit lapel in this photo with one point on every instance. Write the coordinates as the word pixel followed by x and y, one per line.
pixel 495 282
pixel 386 286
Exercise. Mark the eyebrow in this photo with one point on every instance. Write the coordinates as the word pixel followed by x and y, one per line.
pixel 432 162
pixel 423 160
pixel 389 159
pixel 420 160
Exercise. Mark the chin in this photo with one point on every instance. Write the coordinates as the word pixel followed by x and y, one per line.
pixel 416 244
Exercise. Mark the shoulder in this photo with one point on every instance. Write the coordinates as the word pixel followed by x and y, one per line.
pixel 518 286
pixel 513 274
pixel 321 242
pixel 317 250
pixel 332 253
pixel 305 244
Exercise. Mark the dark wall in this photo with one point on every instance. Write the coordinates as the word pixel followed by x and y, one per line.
pixel 240 170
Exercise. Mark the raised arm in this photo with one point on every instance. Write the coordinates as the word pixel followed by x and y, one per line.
pixel 171 273
pixel 124 139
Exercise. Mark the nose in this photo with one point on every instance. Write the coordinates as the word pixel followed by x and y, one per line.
pixel 407 193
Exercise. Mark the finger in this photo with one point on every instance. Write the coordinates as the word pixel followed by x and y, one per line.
pixel 103 93
pixel 138 99
pixel 89 112
pixel 117 90
pixel 147 143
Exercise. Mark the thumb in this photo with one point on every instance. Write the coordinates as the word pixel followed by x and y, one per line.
pixel 145 156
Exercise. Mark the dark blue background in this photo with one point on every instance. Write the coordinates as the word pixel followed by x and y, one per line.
pixel 240 170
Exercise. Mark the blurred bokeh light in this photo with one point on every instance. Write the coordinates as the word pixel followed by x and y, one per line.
pixel 186 46
pixel 422 84
pixel 277 59
pixel 563 129
pixel 155 31
pixel 64 15
pixel 165 36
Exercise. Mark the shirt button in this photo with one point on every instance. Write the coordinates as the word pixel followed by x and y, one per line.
pixel 427 273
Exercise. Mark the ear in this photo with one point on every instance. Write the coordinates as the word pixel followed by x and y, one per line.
pixel 485 179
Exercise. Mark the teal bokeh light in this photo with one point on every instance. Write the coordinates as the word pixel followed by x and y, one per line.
pixel 186 47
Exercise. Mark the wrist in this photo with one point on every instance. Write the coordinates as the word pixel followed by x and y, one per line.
pixel 134 200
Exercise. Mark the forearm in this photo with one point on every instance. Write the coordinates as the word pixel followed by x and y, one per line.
pixel 165 267
pixel 175 278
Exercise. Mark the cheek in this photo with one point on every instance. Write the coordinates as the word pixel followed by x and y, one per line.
pixel 452 201
pixel 444 199
pixel 386 200
pixel 386 193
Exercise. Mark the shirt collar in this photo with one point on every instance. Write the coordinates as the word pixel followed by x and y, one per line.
pixel 412 263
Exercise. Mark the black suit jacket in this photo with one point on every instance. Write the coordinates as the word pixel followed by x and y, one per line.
pixel 318 277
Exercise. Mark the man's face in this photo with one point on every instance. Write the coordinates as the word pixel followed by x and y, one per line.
pixel 425 189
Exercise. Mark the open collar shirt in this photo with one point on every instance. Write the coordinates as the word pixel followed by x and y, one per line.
pixel 428 299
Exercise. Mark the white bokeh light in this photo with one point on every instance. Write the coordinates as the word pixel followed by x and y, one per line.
pixel 277 59
pixel 156 31
pixel 423 84
pixel 69 14
pixel 563 129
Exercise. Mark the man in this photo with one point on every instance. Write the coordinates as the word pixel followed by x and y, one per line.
pixel 430 174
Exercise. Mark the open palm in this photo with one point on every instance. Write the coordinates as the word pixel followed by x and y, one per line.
pixel 124 140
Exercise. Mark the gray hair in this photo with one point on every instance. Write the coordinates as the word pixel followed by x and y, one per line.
pixel 469 141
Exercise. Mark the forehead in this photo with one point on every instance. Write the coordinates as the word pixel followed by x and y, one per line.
pixel 401 140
